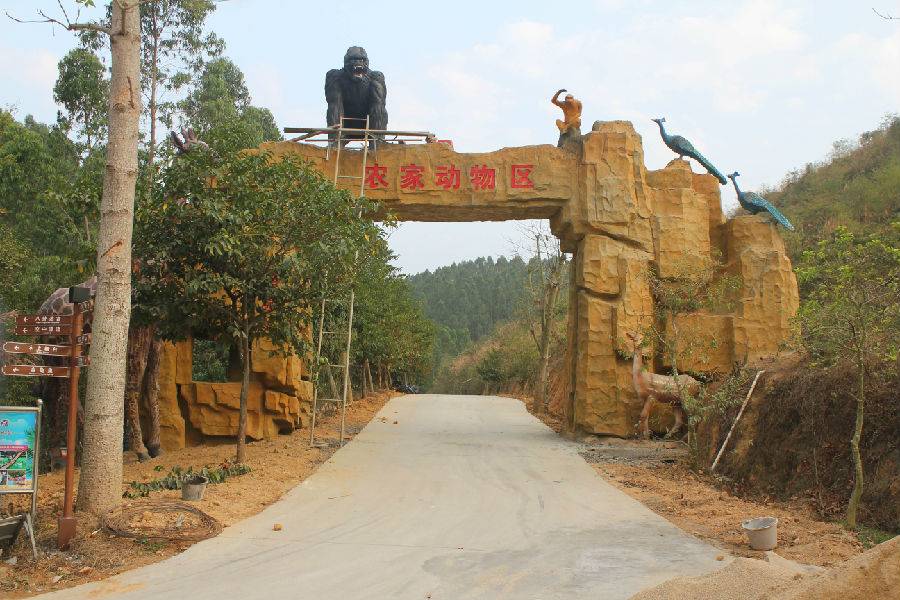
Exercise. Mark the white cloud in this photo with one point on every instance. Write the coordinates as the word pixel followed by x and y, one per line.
pixel 27 78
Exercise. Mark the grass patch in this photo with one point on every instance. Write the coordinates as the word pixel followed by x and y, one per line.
pixel 872 536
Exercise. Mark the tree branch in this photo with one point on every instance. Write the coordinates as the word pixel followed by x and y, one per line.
pixel 885 16
pixel 65 25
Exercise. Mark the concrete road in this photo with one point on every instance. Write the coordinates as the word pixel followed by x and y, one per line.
pixel 464 497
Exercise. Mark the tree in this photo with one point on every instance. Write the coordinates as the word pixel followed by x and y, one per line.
pixel 220 110
pixel 390 327
pixel 174 48
pixel 545 276
pixel 851 314
pixel 83 90
pixel 236 247
pixel 99 487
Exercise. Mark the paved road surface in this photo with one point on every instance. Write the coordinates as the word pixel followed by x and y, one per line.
pixel 465 497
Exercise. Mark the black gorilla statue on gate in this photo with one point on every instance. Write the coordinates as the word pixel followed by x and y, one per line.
pixel 355 92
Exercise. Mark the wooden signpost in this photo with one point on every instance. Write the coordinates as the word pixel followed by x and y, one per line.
pixel 63 326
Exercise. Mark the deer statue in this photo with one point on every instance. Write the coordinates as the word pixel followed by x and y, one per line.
pixel 651 387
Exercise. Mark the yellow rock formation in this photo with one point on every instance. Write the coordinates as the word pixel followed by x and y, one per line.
pixel 616 217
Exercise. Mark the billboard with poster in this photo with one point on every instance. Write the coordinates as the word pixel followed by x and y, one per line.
pixel 18 449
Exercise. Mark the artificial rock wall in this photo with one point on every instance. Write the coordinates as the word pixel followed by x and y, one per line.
pixel 190 411
pixel 617 219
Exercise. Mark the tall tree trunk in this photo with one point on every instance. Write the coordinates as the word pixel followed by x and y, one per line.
pixel 154 104
pixel 856 494
pixel 100 484
pixel 151 396
pixel 362 373
pixel 138 348
pixel 245 390
pixel 369 375
pixel 550 295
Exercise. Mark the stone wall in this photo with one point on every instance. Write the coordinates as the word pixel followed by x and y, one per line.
pixel 190 411
pixel 618 220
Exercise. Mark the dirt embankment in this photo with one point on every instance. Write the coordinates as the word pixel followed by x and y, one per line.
pixel 276 466
pixel 869 576
pixel 793 440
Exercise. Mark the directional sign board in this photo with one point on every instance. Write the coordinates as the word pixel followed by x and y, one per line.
pixel 83 340
pixel 44 320
pixel 43 329
pixel 39 349
pixel 35 371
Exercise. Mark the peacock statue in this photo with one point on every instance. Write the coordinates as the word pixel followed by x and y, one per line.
pixel 682 148
pixel 754 203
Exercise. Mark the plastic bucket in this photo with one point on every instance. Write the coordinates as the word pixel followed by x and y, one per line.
pixel 193 488
pixel 762 532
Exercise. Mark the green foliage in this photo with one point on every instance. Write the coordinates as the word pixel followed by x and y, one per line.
pixel 210 361
pixel 174 48
pixel 83 90
pixel 505 361
pixel 468 300
pixel 49 201
pixel 219 108
pixel 851 314
pixel 851 297
pixel 177 475
pixel 238 247
pixel 389 323
pixel 856 189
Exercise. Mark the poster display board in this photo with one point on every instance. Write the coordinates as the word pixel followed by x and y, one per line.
pixel 20 434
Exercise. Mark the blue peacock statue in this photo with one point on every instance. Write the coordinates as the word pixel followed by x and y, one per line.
pixel 754 203
pixel 682 148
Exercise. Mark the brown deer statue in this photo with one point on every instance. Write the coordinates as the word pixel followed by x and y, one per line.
pixel 651 388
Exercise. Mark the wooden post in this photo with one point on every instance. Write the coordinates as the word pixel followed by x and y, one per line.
pixel 67 522
pixel 736 419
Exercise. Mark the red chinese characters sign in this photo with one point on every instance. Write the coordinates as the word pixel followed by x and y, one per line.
pixel 447 177
pixel 375 177
pixel 520 176
pixel 412 177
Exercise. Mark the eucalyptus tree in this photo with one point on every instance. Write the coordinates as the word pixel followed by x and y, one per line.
pixel 220 109
pixel 175 47
pixel 100 483
pixel 83 90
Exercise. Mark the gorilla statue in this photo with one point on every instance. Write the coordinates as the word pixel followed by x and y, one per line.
pixel 355 92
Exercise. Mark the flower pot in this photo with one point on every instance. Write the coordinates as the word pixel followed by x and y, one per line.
pixel 762 532
pixel 193 487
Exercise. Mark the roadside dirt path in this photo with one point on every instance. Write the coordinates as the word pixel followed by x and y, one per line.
pixel 655 473
pixel 276 466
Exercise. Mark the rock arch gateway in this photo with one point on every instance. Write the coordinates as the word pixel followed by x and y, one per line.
pixel 618 220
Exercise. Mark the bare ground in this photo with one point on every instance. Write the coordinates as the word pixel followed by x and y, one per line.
pixel 276 465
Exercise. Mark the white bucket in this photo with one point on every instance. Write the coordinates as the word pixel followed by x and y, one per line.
pixel 762 532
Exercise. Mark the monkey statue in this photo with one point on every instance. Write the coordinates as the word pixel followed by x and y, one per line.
pixel 570 125
pixel 355 92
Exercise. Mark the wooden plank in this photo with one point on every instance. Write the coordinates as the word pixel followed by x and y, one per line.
pixel 44 330
pixel 334 129
pixel 44 320
pixel 39 349
pixel 35 371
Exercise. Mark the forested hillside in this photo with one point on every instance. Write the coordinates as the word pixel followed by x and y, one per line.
pixel 858 188
pixel 467 300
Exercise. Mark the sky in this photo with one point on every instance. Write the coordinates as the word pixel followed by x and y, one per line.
pixel 758 86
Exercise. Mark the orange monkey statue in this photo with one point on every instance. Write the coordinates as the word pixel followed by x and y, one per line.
pixel 570 125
